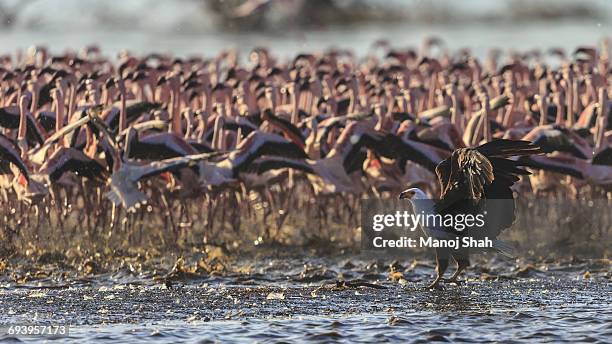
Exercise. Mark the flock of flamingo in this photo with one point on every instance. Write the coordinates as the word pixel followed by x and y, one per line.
pixel 196 137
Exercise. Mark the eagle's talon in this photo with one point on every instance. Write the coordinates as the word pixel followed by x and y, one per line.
pixel 452 280
pixel 434 286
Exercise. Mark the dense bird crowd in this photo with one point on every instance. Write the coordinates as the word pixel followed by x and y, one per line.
pixel 320 129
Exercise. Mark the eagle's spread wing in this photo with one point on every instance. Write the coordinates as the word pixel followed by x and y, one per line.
pixel 475 180
pixel 463 176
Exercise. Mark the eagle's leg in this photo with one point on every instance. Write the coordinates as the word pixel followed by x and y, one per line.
pixel 462 258
pixel 442 257
pixel 462 263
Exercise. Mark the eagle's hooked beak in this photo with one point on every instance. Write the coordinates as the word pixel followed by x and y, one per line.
pixel 407 194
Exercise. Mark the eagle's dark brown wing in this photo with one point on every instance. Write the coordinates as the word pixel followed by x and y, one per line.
pixel 475 180
pixel 463 177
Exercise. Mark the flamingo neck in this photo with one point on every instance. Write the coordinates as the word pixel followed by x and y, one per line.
pixel 174 106
pixel 218 133
pixel 59 112
pixel 296 108
pixel 602 118
pixel 34 103
pixel 456 118
pixel 572 102
pixel 351 106
pixel 560 110
pixel 72 101
pixel 105 96
pixel 91 144
pixel 238 137
pixel 21 133
pixel 543 110
pixel 190 123
pixel 432 90
pixel 122 111
pixel 485 124
pixel 312 140
pixel 141 91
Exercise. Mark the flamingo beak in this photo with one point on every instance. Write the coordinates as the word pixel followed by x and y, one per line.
pixel 22 180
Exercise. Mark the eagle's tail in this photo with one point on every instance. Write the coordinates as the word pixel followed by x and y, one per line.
pixel 503 248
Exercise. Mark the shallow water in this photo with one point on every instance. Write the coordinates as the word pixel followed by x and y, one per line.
pixel 184 28
pixel 575 325
pixel 478 37
pixel 288 300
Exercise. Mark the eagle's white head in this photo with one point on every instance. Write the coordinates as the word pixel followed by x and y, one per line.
pixel 421 203
pixel 413 193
